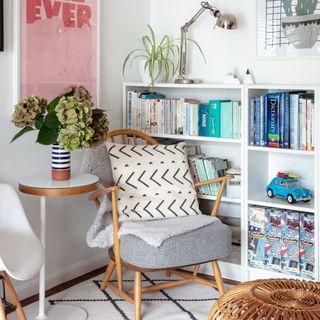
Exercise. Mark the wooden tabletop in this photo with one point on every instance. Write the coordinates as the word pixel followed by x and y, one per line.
pixel 43 185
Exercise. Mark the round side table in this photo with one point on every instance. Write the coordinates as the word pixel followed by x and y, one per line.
pixel 276 299
pixel 42 185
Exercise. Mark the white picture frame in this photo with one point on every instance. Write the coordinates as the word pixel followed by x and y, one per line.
pixel 282 33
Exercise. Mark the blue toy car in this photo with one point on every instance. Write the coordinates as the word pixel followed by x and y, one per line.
pixel 287 187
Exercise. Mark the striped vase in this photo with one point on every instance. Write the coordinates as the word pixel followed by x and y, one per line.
pixel 60 163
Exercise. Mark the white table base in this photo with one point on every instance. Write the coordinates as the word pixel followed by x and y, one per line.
pixel 55 312
pixel 65 312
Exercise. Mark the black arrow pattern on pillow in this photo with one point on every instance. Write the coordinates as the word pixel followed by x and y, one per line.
pixel 156 182
pixel 163 177
pixel 171 204
pixel 130 184
pixel 185 178
pixel 157 208
pixel 175 178
pixel 140 179
pixel 181 207
pixel 133 149
pixel 145 209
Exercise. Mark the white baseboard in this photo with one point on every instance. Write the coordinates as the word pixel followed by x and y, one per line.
pixel 28 288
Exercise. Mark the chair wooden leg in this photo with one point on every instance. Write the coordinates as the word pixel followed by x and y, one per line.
pixel 2 312
pixel 13 296
pixel 119 275
pixel 137 295
pixel 168 273
pixel 218 277
pixel 107 275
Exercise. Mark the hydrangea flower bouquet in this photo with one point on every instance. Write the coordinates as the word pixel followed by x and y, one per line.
pixel 69 121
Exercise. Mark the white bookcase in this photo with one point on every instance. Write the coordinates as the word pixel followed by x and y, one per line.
pixel 258 164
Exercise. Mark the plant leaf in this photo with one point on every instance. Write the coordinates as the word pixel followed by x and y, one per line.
pixel 39 123
pixel 128 57
pixel 52 105
pixel 198 46
pixel 47 136
pixel 51 120
pixel 152 35
pixel 22 132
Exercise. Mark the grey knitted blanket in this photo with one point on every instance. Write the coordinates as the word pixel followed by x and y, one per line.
pixel 154 232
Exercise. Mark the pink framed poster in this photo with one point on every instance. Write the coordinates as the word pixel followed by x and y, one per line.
pixel 58 46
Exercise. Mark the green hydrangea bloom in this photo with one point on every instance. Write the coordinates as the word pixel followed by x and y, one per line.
pixel 72 110
pixel 28 110
pixel 74 137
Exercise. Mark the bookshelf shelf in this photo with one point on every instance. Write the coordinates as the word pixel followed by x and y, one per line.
pixel 283 151
pixel 258 164
pixel 264 201
pixel 184 86
pixel 224 199
pixel 256 274
pixel 195 138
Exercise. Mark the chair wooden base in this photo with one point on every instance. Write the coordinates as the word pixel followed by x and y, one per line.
pixel 13 297
pixel 138 289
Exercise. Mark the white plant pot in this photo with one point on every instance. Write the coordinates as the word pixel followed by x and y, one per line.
pixel 302 31
pixel 144 74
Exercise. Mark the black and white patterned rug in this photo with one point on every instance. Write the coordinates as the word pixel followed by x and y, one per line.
pixel 186 302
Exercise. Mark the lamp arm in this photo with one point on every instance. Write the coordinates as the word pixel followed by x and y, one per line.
pixel 183 38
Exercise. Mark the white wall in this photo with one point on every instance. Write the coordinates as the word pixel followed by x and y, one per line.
pixel 226 50
pixel 68 219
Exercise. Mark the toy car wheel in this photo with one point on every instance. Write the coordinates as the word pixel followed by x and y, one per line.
pixel 270 193
pixel 290 198
pixel 306 200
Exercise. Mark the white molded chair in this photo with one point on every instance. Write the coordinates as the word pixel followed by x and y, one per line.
pixel 21 252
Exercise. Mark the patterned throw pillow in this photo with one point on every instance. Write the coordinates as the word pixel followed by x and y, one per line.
pixel 154 181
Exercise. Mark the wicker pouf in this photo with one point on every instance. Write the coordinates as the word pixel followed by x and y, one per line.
pixel 273 299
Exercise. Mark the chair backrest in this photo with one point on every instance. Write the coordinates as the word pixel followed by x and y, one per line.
pixel 17 240
pixel 12 215
pixel 124 134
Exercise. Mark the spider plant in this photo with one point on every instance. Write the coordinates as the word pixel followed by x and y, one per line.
pixel 161 59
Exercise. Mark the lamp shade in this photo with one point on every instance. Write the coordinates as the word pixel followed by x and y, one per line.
pixel 226 21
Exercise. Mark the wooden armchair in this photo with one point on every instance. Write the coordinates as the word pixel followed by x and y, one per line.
pixel 117 261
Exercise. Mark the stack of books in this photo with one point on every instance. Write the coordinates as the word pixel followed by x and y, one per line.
pixel 207 168
pixel 282 120
pixel 220 119
pixel 153 114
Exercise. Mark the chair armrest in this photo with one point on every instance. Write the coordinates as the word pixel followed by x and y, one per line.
pixel 223 180
pixel 96 195
pixel 203 183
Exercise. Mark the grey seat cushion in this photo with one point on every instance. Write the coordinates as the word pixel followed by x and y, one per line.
pixel 205 244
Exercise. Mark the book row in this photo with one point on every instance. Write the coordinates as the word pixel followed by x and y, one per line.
pixel 282 120
pixel 281 241
pixel 206 168
pixel 153 113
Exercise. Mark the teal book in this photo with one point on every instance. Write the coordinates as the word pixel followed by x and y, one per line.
pixel 236 120
pixel 210 175
pixel 202 175
pixel 214 112
pixel 226 119
pixel 203 120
